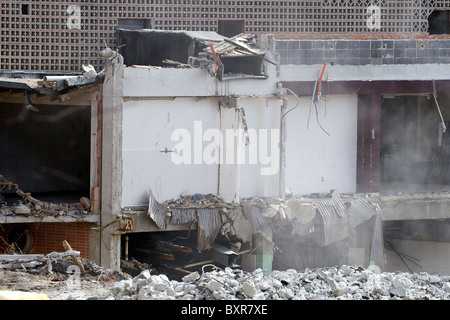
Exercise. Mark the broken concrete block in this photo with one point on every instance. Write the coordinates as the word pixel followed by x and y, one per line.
pixel 123 287
pixel 22 209
pixel 189 289
pixel 191 277
pixel 221 294
pixel 86 202
pixel 248 289
pixel 213 285
pixel 265 285
pixel 231 282
pixel 346 270
pixel 364 275
pixel 446 287
pixel 145 274
pixel 277 283
pixel 171 292
pixel 158 283
pixel 334 286
pixel 286 293
pixel 434 279
pixel 400 292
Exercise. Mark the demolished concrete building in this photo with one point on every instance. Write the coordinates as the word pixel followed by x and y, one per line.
pixel 281 150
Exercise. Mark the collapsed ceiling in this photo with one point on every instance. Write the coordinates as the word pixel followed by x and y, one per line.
pixel 337 217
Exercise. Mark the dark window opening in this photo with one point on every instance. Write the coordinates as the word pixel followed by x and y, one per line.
pixel 438 22
pixel 25 9
pixel 46 153
pixel 135 24
pixel 20 238
pixel 173 253
pixel 230 28
pixel 413 147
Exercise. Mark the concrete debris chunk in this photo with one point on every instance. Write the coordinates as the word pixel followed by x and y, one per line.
pixel 248 289
pixel 191 277
pixel 214 285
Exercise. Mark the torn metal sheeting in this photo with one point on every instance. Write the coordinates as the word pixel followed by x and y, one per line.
pixel 361 211
pixel 210 220
pixel 183 216
pixel 335 219
pixel 251 216
pixel 209 223
pixel 377 248
pixel 159 213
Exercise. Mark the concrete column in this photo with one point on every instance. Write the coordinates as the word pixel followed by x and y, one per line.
pixel 111 169
pixel 230 153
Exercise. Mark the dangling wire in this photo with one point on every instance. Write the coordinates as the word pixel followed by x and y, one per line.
pixel 317 118
pixel 315 98
pixel 296 105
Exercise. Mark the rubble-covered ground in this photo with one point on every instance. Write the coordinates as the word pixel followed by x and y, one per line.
pixel 213 283
pixel 63 282
pixel 343 283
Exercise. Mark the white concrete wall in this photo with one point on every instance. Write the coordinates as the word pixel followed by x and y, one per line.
pixel 159 101
pixel 315 161
pixel 263 119
pixel 147 130
pixel 167 82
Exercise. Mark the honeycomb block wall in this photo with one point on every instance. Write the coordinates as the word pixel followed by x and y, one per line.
pixel 34 34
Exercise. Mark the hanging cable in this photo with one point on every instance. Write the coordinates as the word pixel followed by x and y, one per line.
pixel 315 98
pixel 444 128
pixel 296 105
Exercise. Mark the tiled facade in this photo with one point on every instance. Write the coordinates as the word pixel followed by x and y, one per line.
pixel 363 52
pixel 35 34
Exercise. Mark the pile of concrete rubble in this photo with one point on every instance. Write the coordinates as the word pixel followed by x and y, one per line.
pixel 343 283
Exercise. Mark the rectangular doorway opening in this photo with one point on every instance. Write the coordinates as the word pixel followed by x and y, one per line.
pixel 413 146
pixel 46 153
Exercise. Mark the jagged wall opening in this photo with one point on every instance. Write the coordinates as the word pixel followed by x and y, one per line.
pixel 438 22
pixel 413 145
pixel 173 253
pixel 46 153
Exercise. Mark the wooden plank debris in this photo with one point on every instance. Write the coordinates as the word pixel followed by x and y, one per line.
pixel 75 259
